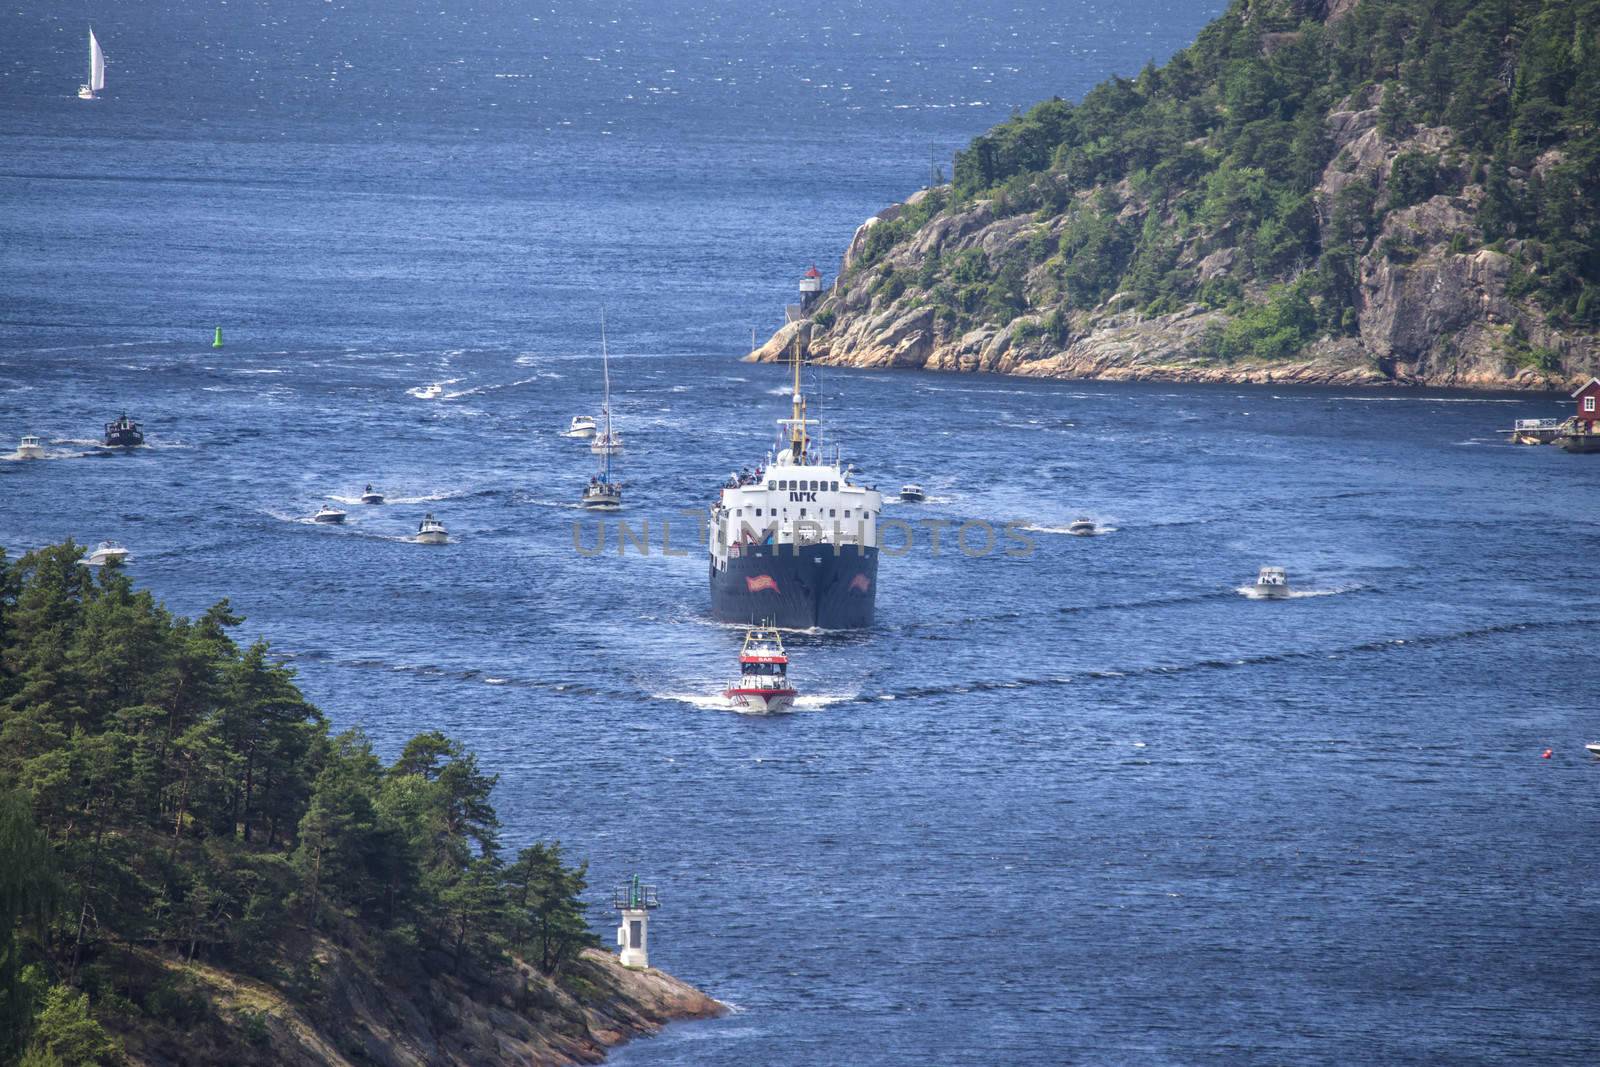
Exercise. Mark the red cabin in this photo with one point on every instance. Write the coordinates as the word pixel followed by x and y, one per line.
pixel 1588 399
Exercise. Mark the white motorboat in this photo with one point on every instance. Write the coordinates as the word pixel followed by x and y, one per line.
pixel 913 493
pixel 582 426
pixel 97 71
pixel 1082 528
pixel 106 552
pixel 1593 748
pixel 432 531
pixel 370 495
pixel 328 514
pixel 763 686
pixel 30 447
pixel 1271 584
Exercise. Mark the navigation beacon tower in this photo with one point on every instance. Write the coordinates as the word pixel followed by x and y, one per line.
pixel 635 901
pixel 810 288
pixel 810 293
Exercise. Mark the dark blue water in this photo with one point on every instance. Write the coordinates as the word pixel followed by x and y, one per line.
pixel 1092 805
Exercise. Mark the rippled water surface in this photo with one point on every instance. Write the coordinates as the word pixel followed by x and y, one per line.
pixel 1090 805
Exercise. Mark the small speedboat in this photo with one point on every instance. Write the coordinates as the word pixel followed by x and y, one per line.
pixel 763 686
pixel 370 495
pixel 602 494
pixel 1271 584
pixel 106 552
pixel 432 531
pixel 1082 528
pixel 1593 748
pixel 30 447
pixel 582 426
pixel 328 514
pixel 123 432
pixel 913 493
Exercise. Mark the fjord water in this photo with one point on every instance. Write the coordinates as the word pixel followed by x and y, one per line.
pixel 1091 805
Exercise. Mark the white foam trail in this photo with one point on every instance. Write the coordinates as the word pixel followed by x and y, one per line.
pixel 1099 530
pixel 432 391
pixel 822 700
pixel 305 520
pixel 478 389
pixel 718 702
pixel 703 701
pixel 428 498
pixel 1294 594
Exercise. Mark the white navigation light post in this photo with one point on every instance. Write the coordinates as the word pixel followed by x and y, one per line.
pixel 810 289
pixel 635 901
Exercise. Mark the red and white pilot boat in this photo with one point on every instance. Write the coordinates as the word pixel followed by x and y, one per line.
pixel 763 686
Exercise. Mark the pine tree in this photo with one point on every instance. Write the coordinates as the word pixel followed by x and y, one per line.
pixel 30 891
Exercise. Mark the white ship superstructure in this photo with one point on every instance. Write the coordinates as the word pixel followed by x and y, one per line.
pixel 796 540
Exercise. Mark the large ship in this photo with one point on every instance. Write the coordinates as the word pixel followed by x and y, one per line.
pixel 795 543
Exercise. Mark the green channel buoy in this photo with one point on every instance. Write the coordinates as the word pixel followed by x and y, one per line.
pixel 218 342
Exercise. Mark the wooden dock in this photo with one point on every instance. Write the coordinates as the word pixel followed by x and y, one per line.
pixel 1538 431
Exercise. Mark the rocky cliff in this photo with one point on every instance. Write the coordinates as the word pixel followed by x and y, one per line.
pixel 359 1011
pixel 1277 204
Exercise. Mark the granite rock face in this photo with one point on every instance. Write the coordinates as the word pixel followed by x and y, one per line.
pixel 1433 305
pixel 363 1014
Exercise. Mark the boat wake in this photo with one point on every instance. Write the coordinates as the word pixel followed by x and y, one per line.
pixel 301 520
pixel 1251 593
pixel 718 702
pixel 434 390
pixel 1100 530
pixel 478 390
pixel 703 701
pixel 817 701
pixel 1312 655
pixel 429 498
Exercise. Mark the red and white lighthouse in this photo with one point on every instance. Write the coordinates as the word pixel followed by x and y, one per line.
pixel 810 288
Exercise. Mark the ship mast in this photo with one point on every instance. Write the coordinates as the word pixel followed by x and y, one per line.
pixel 799 440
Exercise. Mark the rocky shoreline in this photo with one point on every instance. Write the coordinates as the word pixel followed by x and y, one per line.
pixel 1435 306
pixel 362 1015
pixel 1132 354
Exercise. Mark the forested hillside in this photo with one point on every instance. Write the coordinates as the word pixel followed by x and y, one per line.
pixel 194 869
pixel 1370 190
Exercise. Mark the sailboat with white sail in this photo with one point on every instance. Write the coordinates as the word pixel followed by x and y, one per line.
pixel 97 70
pixel 604 493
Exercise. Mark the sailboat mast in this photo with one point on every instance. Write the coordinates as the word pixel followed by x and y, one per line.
pixel 605 408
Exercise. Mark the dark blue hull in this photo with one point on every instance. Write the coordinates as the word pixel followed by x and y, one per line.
pixel 814 588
